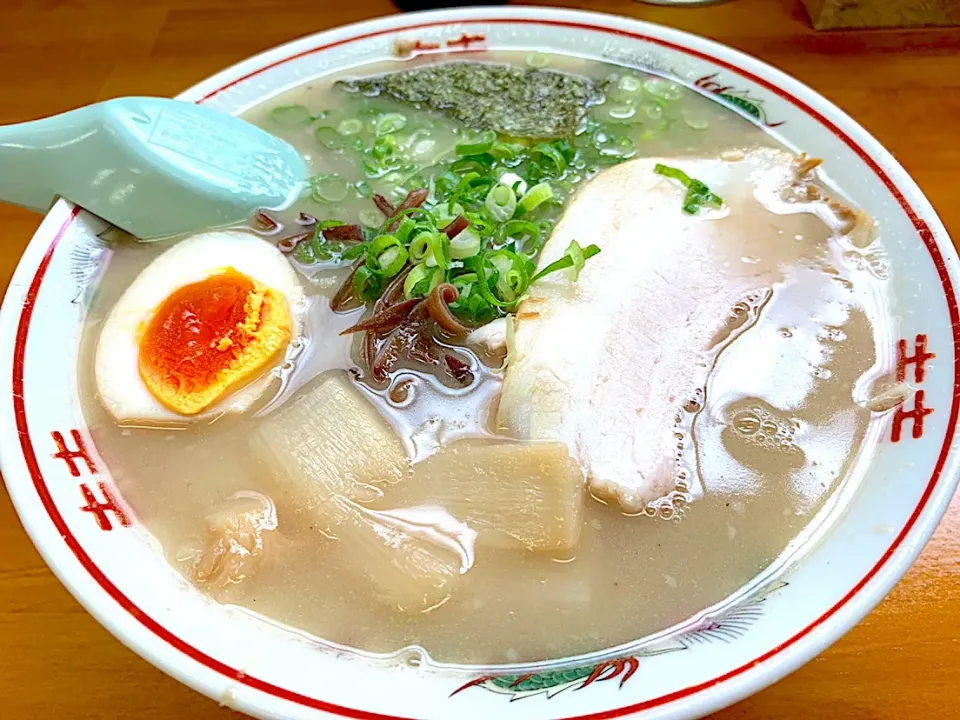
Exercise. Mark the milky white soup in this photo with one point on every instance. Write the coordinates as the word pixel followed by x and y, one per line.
pixel 674 420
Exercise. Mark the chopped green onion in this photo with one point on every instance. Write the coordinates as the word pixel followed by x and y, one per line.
pixel 350 126
pixel 432 248
pixel 460 189
pixel 390 123
pixel 464 282
pixel 386 255
pixel 549 151
pixel 420 246
pixel 439 250
pixel 367 284
pixel 382 242
pixel 290 115
pixel 331 188
pixel 574 257
pixel 400 215
pixel 481 145
pixel 416 274
pixel 465 244
pixel 501 203
pixel 698 194
pixel 405 229
pixel 363 188
pixel 524 233
pixel 392 260
pixel 505 151
pixel 575 252
pixel 329 138
pixel 536 196
pixel 304 253
pixel 514 182
pixel 479 164
pixel 510 282
pixel 472 304
pixel 354 251
pixel 673 173
pixel 446 214
pixel 421 280
pixel 382 147
pixel 510 274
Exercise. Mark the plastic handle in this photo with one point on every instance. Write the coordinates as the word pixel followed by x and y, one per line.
pixel 152 166
pixel 34 156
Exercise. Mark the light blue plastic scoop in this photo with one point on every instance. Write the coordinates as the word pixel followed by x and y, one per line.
pixel 151 166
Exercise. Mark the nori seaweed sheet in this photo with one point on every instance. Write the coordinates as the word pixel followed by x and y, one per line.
pixel 510 100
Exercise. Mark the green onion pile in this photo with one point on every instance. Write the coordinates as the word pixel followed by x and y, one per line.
pixel 489 201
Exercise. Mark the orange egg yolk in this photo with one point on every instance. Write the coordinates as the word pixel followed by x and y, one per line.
pixel 211 337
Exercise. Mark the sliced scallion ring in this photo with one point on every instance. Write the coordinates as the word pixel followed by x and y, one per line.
pixel 420 246
pixel 350 126
pixel 392 260
pixel 291 115
pixel 501 202
pixel 390 123
pixel 536 196
pixel 329 138
pixel 466 244
pixel 329 188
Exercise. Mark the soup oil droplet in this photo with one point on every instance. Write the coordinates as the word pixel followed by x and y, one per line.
pixel 833 334
pixel 746 423
pixel 414 657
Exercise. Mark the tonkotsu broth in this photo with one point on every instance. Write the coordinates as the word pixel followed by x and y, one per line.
pixel 762 474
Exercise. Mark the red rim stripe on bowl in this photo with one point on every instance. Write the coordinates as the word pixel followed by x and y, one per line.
pixel 235 675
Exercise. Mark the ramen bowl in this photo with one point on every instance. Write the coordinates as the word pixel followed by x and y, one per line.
pixel 70 506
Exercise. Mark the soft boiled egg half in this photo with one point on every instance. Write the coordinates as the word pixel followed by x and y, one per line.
pixel 201 328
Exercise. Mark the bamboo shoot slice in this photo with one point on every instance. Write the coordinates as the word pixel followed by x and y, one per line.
pixel 530 491
pixel 413 557
pixel 331 441
pixel 334 451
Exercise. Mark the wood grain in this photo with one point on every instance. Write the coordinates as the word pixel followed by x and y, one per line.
pixel 903 85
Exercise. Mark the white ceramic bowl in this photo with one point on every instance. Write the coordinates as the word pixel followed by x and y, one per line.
pixel 65 495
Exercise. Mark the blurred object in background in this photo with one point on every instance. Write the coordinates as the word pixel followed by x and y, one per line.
pixel 831 14
pixel 678 3
pixel 410 5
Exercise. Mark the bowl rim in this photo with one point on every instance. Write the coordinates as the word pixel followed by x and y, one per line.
pixel 702 698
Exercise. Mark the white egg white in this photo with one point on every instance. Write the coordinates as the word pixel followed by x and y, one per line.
pixel 120 387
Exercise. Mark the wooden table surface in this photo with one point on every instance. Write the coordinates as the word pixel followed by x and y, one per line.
pixel 903 86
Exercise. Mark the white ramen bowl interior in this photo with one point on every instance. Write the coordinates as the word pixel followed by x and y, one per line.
pixel 68 505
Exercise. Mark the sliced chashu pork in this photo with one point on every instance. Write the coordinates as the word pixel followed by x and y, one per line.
pixel 607 363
